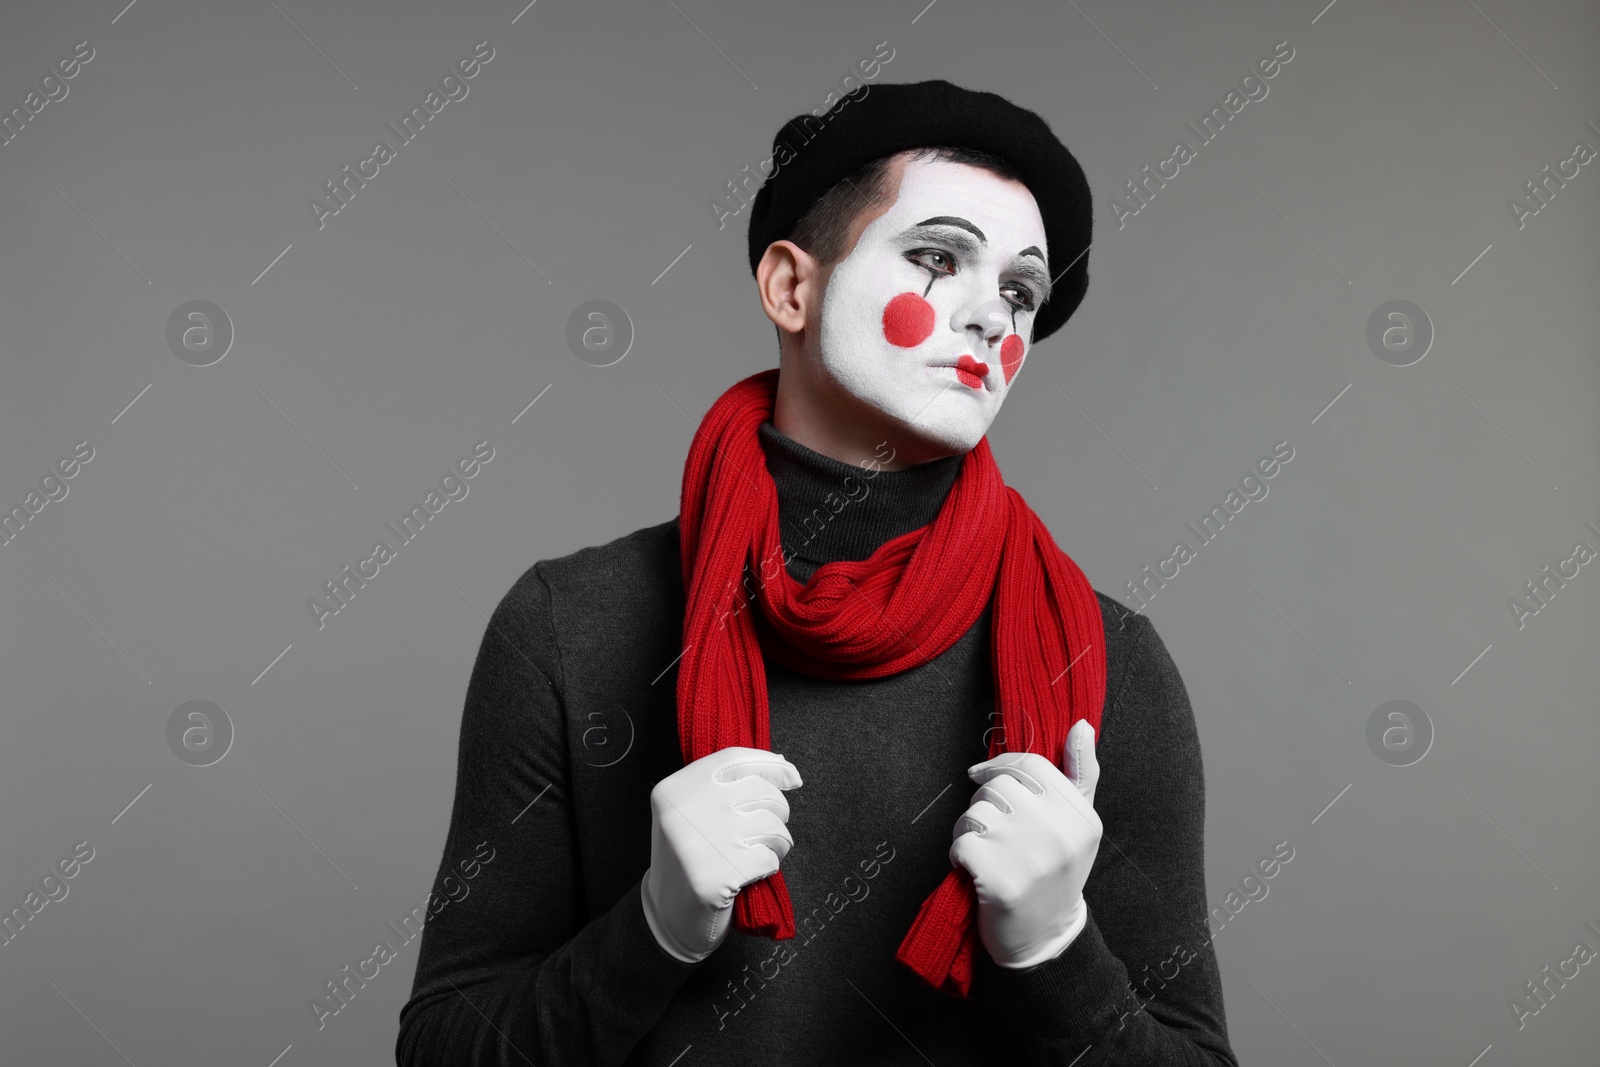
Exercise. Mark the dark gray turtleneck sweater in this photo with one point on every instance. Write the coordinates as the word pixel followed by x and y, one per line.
pixel 569 721
pixel 874 506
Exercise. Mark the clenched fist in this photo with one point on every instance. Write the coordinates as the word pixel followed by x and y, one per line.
pixel 716 826
pixel 1029 841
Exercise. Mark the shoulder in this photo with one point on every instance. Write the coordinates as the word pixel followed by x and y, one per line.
pixel 639 563
pixel 1124 629
pixel 599 600
pixel 639 557
pixel 1145 694
pixel 1130 641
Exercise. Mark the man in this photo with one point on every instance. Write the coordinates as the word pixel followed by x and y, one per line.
pixel 851 584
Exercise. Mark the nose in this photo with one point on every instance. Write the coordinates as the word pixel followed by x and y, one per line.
pixel 991 319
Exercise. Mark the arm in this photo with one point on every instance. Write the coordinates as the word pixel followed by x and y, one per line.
pixel 1139 984
pixel 515 972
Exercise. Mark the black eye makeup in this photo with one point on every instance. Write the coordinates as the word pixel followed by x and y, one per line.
pixel 937 262
pixel 944 262
pixel 1019 296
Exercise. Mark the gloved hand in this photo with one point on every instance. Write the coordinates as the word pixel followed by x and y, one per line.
pixel 1029 840
pixel 716 826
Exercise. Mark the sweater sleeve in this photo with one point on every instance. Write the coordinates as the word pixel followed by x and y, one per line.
pixel 1139 986
pixel 511 970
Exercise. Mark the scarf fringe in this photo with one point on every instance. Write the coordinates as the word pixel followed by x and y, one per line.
pixel 940 944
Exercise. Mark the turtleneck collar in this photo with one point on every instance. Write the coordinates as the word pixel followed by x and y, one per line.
pixel 830 510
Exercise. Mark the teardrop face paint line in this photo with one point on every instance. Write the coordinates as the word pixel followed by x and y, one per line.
pixel 1010 356
pixel 907 321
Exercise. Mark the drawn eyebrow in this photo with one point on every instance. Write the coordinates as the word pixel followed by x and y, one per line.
pixel 952 220
pixel 958 242
pixel 1032 250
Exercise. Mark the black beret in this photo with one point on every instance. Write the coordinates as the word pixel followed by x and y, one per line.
pixel 813 153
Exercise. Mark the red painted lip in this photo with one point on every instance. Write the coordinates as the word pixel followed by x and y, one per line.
pixel 971 372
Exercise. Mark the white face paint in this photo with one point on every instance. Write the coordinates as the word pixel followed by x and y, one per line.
pixel 922 293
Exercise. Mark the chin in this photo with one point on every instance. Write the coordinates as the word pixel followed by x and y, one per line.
pixel 927 416
pixel 948 433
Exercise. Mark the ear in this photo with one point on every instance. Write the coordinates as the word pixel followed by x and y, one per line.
pixel 787 279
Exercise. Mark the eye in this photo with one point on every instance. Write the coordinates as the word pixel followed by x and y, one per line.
pixel 1018 295
pixel 933 260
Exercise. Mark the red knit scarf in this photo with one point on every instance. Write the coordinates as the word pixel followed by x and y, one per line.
pixel 870 618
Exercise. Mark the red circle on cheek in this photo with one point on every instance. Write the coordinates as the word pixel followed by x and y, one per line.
pixel 907 320
pixel 1010 356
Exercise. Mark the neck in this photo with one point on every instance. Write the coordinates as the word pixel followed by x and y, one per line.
pixel 815 411
pixel 831 510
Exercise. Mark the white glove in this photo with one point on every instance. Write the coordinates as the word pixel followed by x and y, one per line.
pixel 1029 840
pixel 716 826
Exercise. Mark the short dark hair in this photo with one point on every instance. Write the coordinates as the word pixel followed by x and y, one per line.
pixel 824 227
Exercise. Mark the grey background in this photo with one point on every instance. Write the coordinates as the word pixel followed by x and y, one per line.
pixel 1224 318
